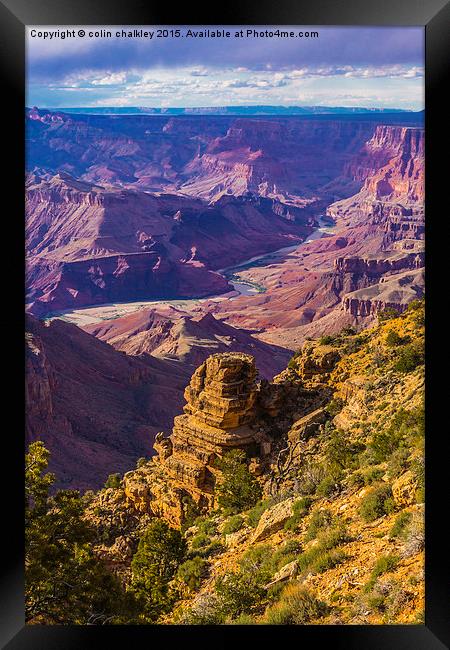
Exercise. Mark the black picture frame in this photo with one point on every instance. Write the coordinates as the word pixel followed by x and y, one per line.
pixel 435 16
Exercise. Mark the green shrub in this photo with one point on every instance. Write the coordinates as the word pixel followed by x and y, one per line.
pixel 238 489
pixel 333 536
pixel 233 524
pixel 400 524
pixel 113 481
pixel 329 485
pixel 387 314
pixel 334 407
pixel 356 479
pixel 200 541
pixel 372 475
pixel 299 510
pixel 160 551
pixel 297 606
pixel 327 340
pixel 377 503
pixel 384 564
pixel 254 515
pixel 393 339
pixel 320 519
pixel 259 562
pixel 285 554
pixel 328 559
pixel 312 473
pixel 193 572
pixel 207 526
pixel 398 462
pixel 239 593
pixel 405 428
pixel 409 358
pixel 207 610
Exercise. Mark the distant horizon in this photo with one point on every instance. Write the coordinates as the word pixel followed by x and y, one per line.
pixel 317 109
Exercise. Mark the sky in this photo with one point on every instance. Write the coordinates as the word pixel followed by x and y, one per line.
pixel 370 67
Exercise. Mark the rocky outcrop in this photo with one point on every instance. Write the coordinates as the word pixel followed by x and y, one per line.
pixel 392 292
pixel 316 361
pixel 273 520
pixel 220 414
pixel 404 489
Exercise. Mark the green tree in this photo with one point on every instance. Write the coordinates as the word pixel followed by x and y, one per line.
pixel 65 582
pixel 238 489
pixel 160 552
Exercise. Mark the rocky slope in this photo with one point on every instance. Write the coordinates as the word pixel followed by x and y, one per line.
pixel 341 523
pixel 185 338
pixel 86 400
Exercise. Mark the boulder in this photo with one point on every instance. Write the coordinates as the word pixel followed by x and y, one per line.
pixel 273 520
pixel 404 489
pixel 286 572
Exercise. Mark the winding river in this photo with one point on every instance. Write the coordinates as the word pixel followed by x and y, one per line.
pixel 108 311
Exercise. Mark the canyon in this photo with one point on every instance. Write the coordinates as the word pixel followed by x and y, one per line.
pixel 155 224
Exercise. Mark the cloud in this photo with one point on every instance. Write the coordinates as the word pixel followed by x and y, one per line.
pixel 350 61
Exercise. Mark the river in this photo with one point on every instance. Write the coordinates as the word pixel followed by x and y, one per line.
pixel 108 311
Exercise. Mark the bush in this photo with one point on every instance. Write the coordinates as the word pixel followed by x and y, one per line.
pixel 377 503
pixel 200 541
pixel 311 476
pixel 384 564
pixel 297 606
pixel 393 339
pixel 160 551
pixel 414 536
pixel 334 407
pixel 333 536
pixel 409 358
pixel 238 489
pixel 329 485
pixel 400 524
pixel 405 428
pixel 299 510
pixel 398 462
pixel 319 520
pixel 259 562
pixel 141 462
pixel 239 593
pixel 113 481
pixel 327 340
pixel 206 611
pixel 387 314
pixel 328 559
pixel 372 475
pixel 193 572
pixel 233 524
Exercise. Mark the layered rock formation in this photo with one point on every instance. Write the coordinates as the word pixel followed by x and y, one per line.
pixel 87 245
pixel 220 415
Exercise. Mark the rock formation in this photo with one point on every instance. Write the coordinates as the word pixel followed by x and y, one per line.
pixel 220 414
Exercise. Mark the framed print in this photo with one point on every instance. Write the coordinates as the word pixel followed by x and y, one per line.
pixel 229 381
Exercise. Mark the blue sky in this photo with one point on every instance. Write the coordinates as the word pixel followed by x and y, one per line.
pixel 345 66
